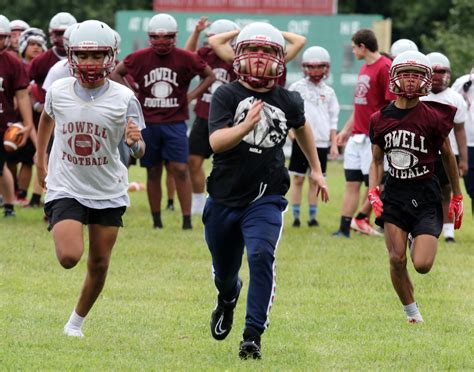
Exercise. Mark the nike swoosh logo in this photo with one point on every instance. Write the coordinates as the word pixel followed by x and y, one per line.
pixel 218 329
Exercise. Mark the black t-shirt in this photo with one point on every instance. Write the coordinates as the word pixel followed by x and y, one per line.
pixel 256 166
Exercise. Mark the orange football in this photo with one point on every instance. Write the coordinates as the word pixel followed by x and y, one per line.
pixel 10 138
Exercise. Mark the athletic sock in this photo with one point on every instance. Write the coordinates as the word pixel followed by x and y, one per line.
pixel 313 209
pixel 75 321
pixel 296 211
pixel 35 199
pixel 345 225
pixel 448 229
pixel 157 220
pixel 360 216
pixel 187 223
pixel 21 194
pixel 411 309
pixel 170 203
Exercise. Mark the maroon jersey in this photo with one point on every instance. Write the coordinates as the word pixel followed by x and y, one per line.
pixel 163 82
pixel 13 77
pixel 412 138
pixel 224 74
pixel 39 67
pixel 371 93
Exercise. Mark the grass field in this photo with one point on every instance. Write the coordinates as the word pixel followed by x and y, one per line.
pixel 335 308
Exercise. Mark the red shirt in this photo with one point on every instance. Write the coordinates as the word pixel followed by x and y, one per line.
pixel 224 74
pixel 412 142
pixel 39 67
pixel 13 77
pixel 371 93
pixel 163 82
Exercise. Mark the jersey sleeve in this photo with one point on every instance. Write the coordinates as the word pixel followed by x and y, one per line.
pixel 461 113
pixel 48 104
pixel 130 63
pixel 221 114
pixel 134 111
pixel 372 133
pixel 197 64
pixel 296 116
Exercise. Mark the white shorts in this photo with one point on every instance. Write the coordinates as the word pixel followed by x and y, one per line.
pixel 358 153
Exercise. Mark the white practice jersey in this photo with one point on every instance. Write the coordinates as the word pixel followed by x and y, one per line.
pixel 59 70
pixel 321 108
pixel 469 98
pixel 453 98
pixel 84 160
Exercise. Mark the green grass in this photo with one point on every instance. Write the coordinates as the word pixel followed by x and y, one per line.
pixel 335 307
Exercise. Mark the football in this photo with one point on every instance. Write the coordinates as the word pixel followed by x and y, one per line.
pixel 10 138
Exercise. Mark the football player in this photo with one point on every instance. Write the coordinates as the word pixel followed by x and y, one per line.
pixel 441 92
pixel 248 125
pixel 86 181
pixel 322 112
pixel 13 84
pixel 411 133
pixel 199 148
pixel 163 73
pixel 17 26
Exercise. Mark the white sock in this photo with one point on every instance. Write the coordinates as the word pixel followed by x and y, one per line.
pixel 75 321
pixel 448 229
pixel 411 309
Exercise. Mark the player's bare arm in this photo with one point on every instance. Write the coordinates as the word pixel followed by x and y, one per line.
pixel 134 139
pixel 294 44
pixel 23 100
pixel 376 167
pixel 220 43
pixel 460 135
pixel 118 75
pixel 192 42
pixel 208 78
pixel 450 166
pixel 305 139
pixel 45 129
pixel 227 138
pixel 333 151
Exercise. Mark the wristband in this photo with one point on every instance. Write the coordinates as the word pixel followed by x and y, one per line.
pixel 135 149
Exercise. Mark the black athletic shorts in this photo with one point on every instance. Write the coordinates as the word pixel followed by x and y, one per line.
pixel 70 209
pixel 199 139
pixel 298 162
pixel 414 206
pixel 23 155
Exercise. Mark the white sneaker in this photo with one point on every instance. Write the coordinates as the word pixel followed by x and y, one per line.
pixel 417 318
pixel 73 332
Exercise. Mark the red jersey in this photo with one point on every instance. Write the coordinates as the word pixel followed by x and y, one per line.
pixel 163 82
pixel 412 138
pixel 39 67
pixel 224 74
pixel 13 77
pixel 371 93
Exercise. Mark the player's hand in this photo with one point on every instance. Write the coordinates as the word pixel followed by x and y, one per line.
pixel 456 210
pixel 202 24
pixel 132 133
pixel 342 137
pixel 321 188
pixel 41 173
pixel 253 115
pixel 333 152
pixel 462 167
pixel 374 198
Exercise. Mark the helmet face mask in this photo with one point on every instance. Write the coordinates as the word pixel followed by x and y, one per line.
pixel 92 51
pixel 410 75
pixel 162 43
pixel 162 31
pixel 259 55
pixel 441 71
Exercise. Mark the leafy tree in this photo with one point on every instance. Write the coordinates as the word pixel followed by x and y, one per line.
pixel 455 38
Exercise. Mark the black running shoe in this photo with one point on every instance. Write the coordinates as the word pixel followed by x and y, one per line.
pixel 313 222
pixel 296 222
pixel 250 346
pixel 223 316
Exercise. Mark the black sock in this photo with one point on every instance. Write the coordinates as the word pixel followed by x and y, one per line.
pixel 21 194
pixel 35 199
pixel 361 216
pixel 157 219
pixel 187 222
pixel 345 225
pixel 9 207
pixel 170 202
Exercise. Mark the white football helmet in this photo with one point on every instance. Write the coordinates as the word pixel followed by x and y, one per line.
pixel 402 45
pixel 119 41
pixel 316 62
pixel 441 71
pixel 92 36
pixel 58 25
pixel 220 26
pixel 250 45
pixel 67 36
pixel 18 25
pixel 5 31
pixel 165 26
pixel 410 75
pixel 32 34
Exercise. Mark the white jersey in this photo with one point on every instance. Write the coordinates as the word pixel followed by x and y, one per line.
pixel 84 160
pixel 321 109
pixel 469 99
pixel 59 70
pixel 453 98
